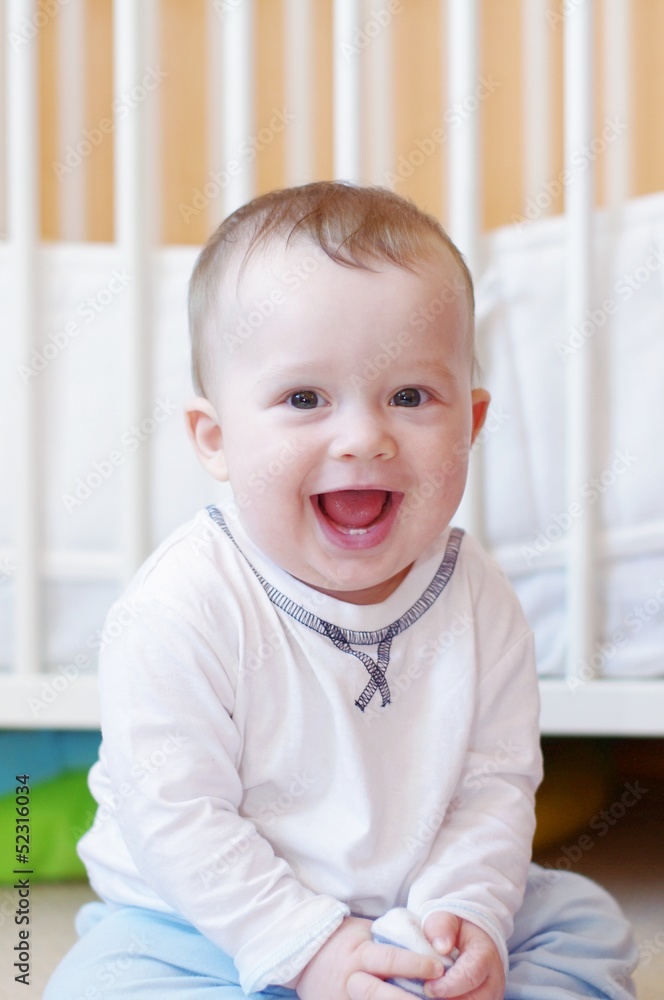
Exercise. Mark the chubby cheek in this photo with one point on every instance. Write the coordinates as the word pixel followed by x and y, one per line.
pixel 257 456
pixel 440 485
pixel 267 486
pixel 259 485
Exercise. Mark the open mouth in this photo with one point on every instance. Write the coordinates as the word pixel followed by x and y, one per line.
pixel 354 512
pixel 357 517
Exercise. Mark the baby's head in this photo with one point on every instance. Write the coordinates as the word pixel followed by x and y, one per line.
pixel 332 344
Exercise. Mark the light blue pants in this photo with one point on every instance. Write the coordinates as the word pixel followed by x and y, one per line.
pixel 570 941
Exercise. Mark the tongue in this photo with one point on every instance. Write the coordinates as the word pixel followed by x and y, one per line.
pixel 353 508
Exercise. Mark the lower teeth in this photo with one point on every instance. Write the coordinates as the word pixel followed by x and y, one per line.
pixel 353 531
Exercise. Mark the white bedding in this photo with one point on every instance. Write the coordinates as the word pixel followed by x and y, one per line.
pixel 524 348
pixel 520 313
pixel 81 395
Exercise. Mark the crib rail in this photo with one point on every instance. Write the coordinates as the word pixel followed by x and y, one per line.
pixel 364 146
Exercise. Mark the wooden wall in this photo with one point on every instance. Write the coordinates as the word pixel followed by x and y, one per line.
pixel 181 102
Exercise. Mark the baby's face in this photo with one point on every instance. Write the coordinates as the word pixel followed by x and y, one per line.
pixel 347 415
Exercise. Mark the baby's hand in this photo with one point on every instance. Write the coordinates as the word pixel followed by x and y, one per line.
pixel 351 966
pixel 478 973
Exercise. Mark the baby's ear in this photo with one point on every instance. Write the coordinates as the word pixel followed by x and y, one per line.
pixel 205 432
pixel 480 403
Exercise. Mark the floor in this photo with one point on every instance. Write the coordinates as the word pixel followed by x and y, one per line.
pixel 628 860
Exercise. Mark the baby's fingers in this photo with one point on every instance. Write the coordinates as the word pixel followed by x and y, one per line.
pixel 364 986
pixel 388 961
pixel 470 979
pixel 442 930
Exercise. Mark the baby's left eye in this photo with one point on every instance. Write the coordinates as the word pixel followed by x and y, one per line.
pixel 409 397
pixel 305 399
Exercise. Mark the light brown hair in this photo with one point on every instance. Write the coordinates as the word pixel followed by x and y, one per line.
pixel 355 226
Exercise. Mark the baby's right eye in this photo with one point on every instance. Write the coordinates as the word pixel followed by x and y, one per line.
pixel 305 399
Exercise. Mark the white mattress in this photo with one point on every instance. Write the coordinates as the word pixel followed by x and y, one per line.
pixel 524 349
pixel 81 396
pixel 520 311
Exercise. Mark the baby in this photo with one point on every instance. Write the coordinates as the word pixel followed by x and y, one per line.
pixel 320 734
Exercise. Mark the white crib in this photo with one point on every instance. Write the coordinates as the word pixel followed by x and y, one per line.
pixel 96 362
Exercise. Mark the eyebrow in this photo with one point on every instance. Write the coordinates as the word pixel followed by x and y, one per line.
pixel 301 372
pixel 429 367
pixel 295 373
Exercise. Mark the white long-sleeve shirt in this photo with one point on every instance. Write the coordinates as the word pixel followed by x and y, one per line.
pixel 252 780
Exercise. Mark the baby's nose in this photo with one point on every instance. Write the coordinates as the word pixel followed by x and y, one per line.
pixel 363 437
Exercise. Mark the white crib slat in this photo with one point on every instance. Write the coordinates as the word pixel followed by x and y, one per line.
pixel 537 102
pixel 237 46
pixel 50 702
pixel 578 104
pixel 23 229
pixel 3 122
pixel 71 564
pixel 347 92
pixel 299 92
pixel 617 85
pixel 381 93
pixel 464 200
pixel 602 708
pixel 70 25
pixel 151 159
pixel 464 197
pixel 230 86
pixel 214 94
pixel 132 232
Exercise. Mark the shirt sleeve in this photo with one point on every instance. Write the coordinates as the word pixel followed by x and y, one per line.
pixel 479 858
pixel 172 751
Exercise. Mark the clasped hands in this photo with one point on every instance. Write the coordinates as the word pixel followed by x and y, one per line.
pixel 352 966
